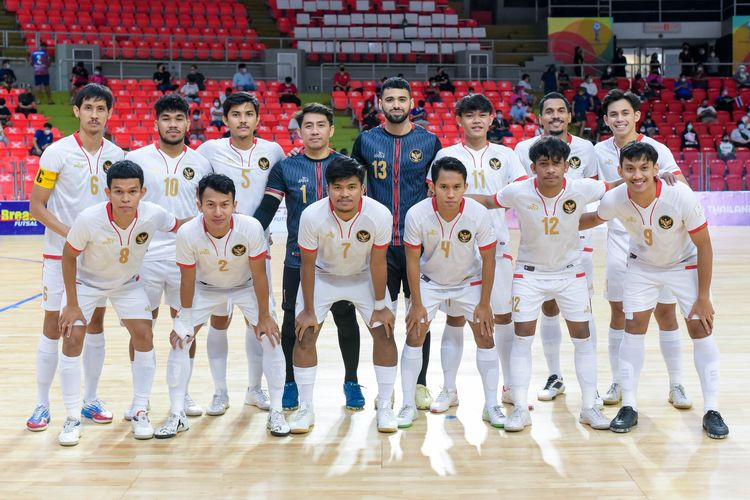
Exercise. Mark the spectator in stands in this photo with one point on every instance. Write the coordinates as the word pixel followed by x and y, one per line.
pixel 42 139
pixel 581 105
pixel 288 92
pixel 98 77
pixel 706 112
pixel 638 85
pixel 499 128
pixel 518 112
pixel 3 137
pixel 563 80
pixel 683 89
pixel 578 62
pixel 163 79
pixel 216 114
pixel 369 116
pixel 432 91
pixel 712 63
pixel 648 126
pixel 686 60
pixel 601 128
pixel 197 127
pixel 655 81
pixel 4 112
pixel 654 66
pixel 740 136
pixel 40 62
pixel 223 96
pixel 418 114
pixel 608 78
pixel 620 63
pixel 190 90
pixel 79 77
pixel 293 129
pixel 242 79
pixel 26 101
pixel 549 79
pixel 524 83
pixel 7 76
pixel 379 85
pixel 742 77
pixel 590 86
pixel 724 102
pixel 341 80
pixel 200 80
pixel 725 150
pixel 688 137
pixel 700 77
pixel 444 81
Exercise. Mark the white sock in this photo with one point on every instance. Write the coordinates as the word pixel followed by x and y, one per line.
pixel 520 367
pixel 706 359
pixel 503 344
pixel 254 351
pixel 217 348
pixel 613 347
pixel 411 365
pixel 70 382
pixel 585 361
pixel 178 372
pixel 451 351
pixel 551 333
pixel 592 331
pixel 386 378
pixel 631 362
pixel 489 369
pixel 274 367
pixel 670 344
pixel 190 374
pixel 46 365
pixel 305 378
pixel 93 363
pixel 144 367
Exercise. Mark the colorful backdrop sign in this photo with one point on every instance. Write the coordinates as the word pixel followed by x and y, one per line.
pixel 593 34
pixel 16 219
pixel 741 39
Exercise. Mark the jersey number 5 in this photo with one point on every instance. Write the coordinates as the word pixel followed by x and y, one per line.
pixel 245 179
pixel 379 169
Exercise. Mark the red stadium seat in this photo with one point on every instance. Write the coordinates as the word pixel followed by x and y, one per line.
pixel 735 183
pixel 717 183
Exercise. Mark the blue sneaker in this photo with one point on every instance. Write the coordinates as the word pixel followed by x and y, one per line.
pixel 39 420
pixel 95 411
pixel 290 399
pixel 354 399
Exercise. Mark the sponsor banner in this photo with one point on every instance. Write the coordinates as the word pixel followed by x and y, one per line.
pixel 726 208
pixel 16 219
pixel 740 39
pixel 593 34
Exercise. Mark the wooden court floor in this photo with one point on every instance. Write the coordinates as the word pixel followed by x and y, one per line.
pixel 666 456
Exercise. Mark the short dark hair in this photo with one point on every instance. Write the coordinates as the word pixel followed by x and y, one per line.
pixel 47 125
pixel 314 108
pixel 525 76
pixel 241 65
pixel 2 101
pixel 171 102
pixel 421 103
pixel 94 92
pixel 191 79
pixel 554 95
pixel 615 95
pixel 395 82
pixel 5 61
pixel 219 183
pixel 239 98
pixel 449 164
pixel 124 169
pixel 288 79
pixel 474 102
pixel 638 150
pixel 549 147
pixel 343 167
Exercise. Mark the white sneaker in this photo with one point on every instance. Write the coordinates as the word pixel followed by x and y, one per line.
pixel 218 406
pixel 387 420
pixel 423 397
pixel 141 426
pixel 594 418
pixel 71 432
pixel 393 400
pixel 517 420
pixel 406 416
pixel 303 420
pixel 257 397
pixel 175 424
pixel 494 416
pixel 192 409
pixel 613 395
pixel 678 398
pixel 598 401
pixel 444 401
pixel 277 424
pixel 553 388
pixel 507 397
pixel 128 414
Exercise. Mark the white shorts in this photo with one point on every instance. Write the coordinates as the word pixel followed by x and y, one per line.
pixel 644 285
pixel 220 302
pixel 617 265
pixel 330 289
pixel 161 276
pixel 456 301
pixel 53 287
pixel 501 290
pixel 570 292
pixel 129 300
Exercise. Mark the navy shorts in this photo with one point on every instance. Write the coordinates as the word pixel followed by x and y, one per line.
pixel 41 80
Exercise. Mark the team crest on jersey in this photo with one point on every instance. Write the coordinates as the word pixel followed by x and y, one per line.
pixel 415 155
pixel 141 238
pixel 363 236
pixel 495 163
pixel 574 162
pixel 239 250
pixel 106 165
pixel 464 236
pixel 569 206
pixel 188 173
pixel 264 163
pixel 665 222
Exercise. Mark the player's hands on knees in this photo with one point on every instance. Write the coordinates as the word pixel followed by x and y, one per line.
pixel 267 326
pixel 306 319
pixel 415 318
pixel 704 310
pixel 484 317
pixel 69 317
pixel 385 318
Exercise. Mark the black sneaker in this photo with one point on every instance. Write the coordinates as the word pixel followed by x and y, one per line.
pixel 553 388
pixel 714 425
pixel 626 418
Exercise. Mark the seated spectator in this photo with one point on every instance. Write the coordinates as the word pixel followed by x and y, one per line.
pixel 563 80
pixel 499 128
pixel 242 79
pixel 700 78
pixel 683 89
pixel 725 150
pixel 581 105
pixel 42 139
pixel 590 86
pixel 288 92
pixel 524 83
pixel 217 113
pixel 4 112
pixel 742 77
pixel 706 112
pixel 341 80
pixel 293 129
pixel 3 137
pixel 369 116
pixel 648 126
pixel 190 90
pixel 432 91
pixel 197 127
pixel 724 102
pixel 601 128
pixel 518 112
pixel 638 86
pixel 163 79
pixel 444 81
pixel 98 77
pixel 7 76
pixel 26 101
pixel 608 79
pixel 655 81
pixel 79 77
pixel 740 136
pixel 418 114
pixel 689 138
pixel 198 77
pixel 223 96
pixel 525 96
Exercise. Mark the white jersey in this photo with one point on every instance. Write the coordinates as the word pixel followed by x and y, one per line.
pixel 659 233
pixel 221 262
pixel 171 183
pixel 451 248
pixel 110 255
pixel 344 247
pixel 549 226
pixel 248 169
pixel 581 160
pixel 77 180
pixel 489 170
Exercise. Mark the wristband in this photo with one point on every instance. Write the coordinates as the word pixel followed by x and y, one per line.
pixel 379 304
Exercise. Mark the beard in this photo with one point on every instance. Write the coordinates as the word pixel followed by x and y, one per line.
pixel 396 119
pixel 557 133
pixel 165 140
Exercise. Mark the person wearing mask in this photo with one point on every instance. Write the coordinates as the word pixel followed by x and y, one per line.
pixel 26 101
pixel 7 76
pixel 163 79
pixel 686 60
pixel 581 105
pixel 578 62
pixel 683 89
pixel 418 114
pixel 619 63
pixel 190 90
pixel 649 126
pixel 432 91
pixel 242 79
pixel 563 80
pixel 740 136
pixel 712 63
pixel 706 112
pixel 98 77
pixel 725 150
pixel 549 79
pixel 524 83
pixel 700 77
pixel 518 112
pixel 198 77
pixel 197 129
pixel 724 102
pixel 42 139
pixel 341 80
pixel 608 78
pixel 689 139
pixel 590 86
pixel 288 92
pixel 742 77
pixel 216 113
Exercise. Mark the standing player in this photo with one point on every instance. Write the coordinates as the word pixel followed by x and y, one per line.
pixel 490 167
pixel 450 257
pixel 669 247
pixel 225 253
pixel 105 248
pixel 300 179
pixel 171 174
pixel 397 156
pixel 71 177
pixel 344 239
pixel 248 161
pixel 621 115
pixel 555 115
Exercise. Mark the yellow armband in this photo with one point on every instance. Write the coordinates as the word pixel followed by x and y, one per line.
pixel 45 179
